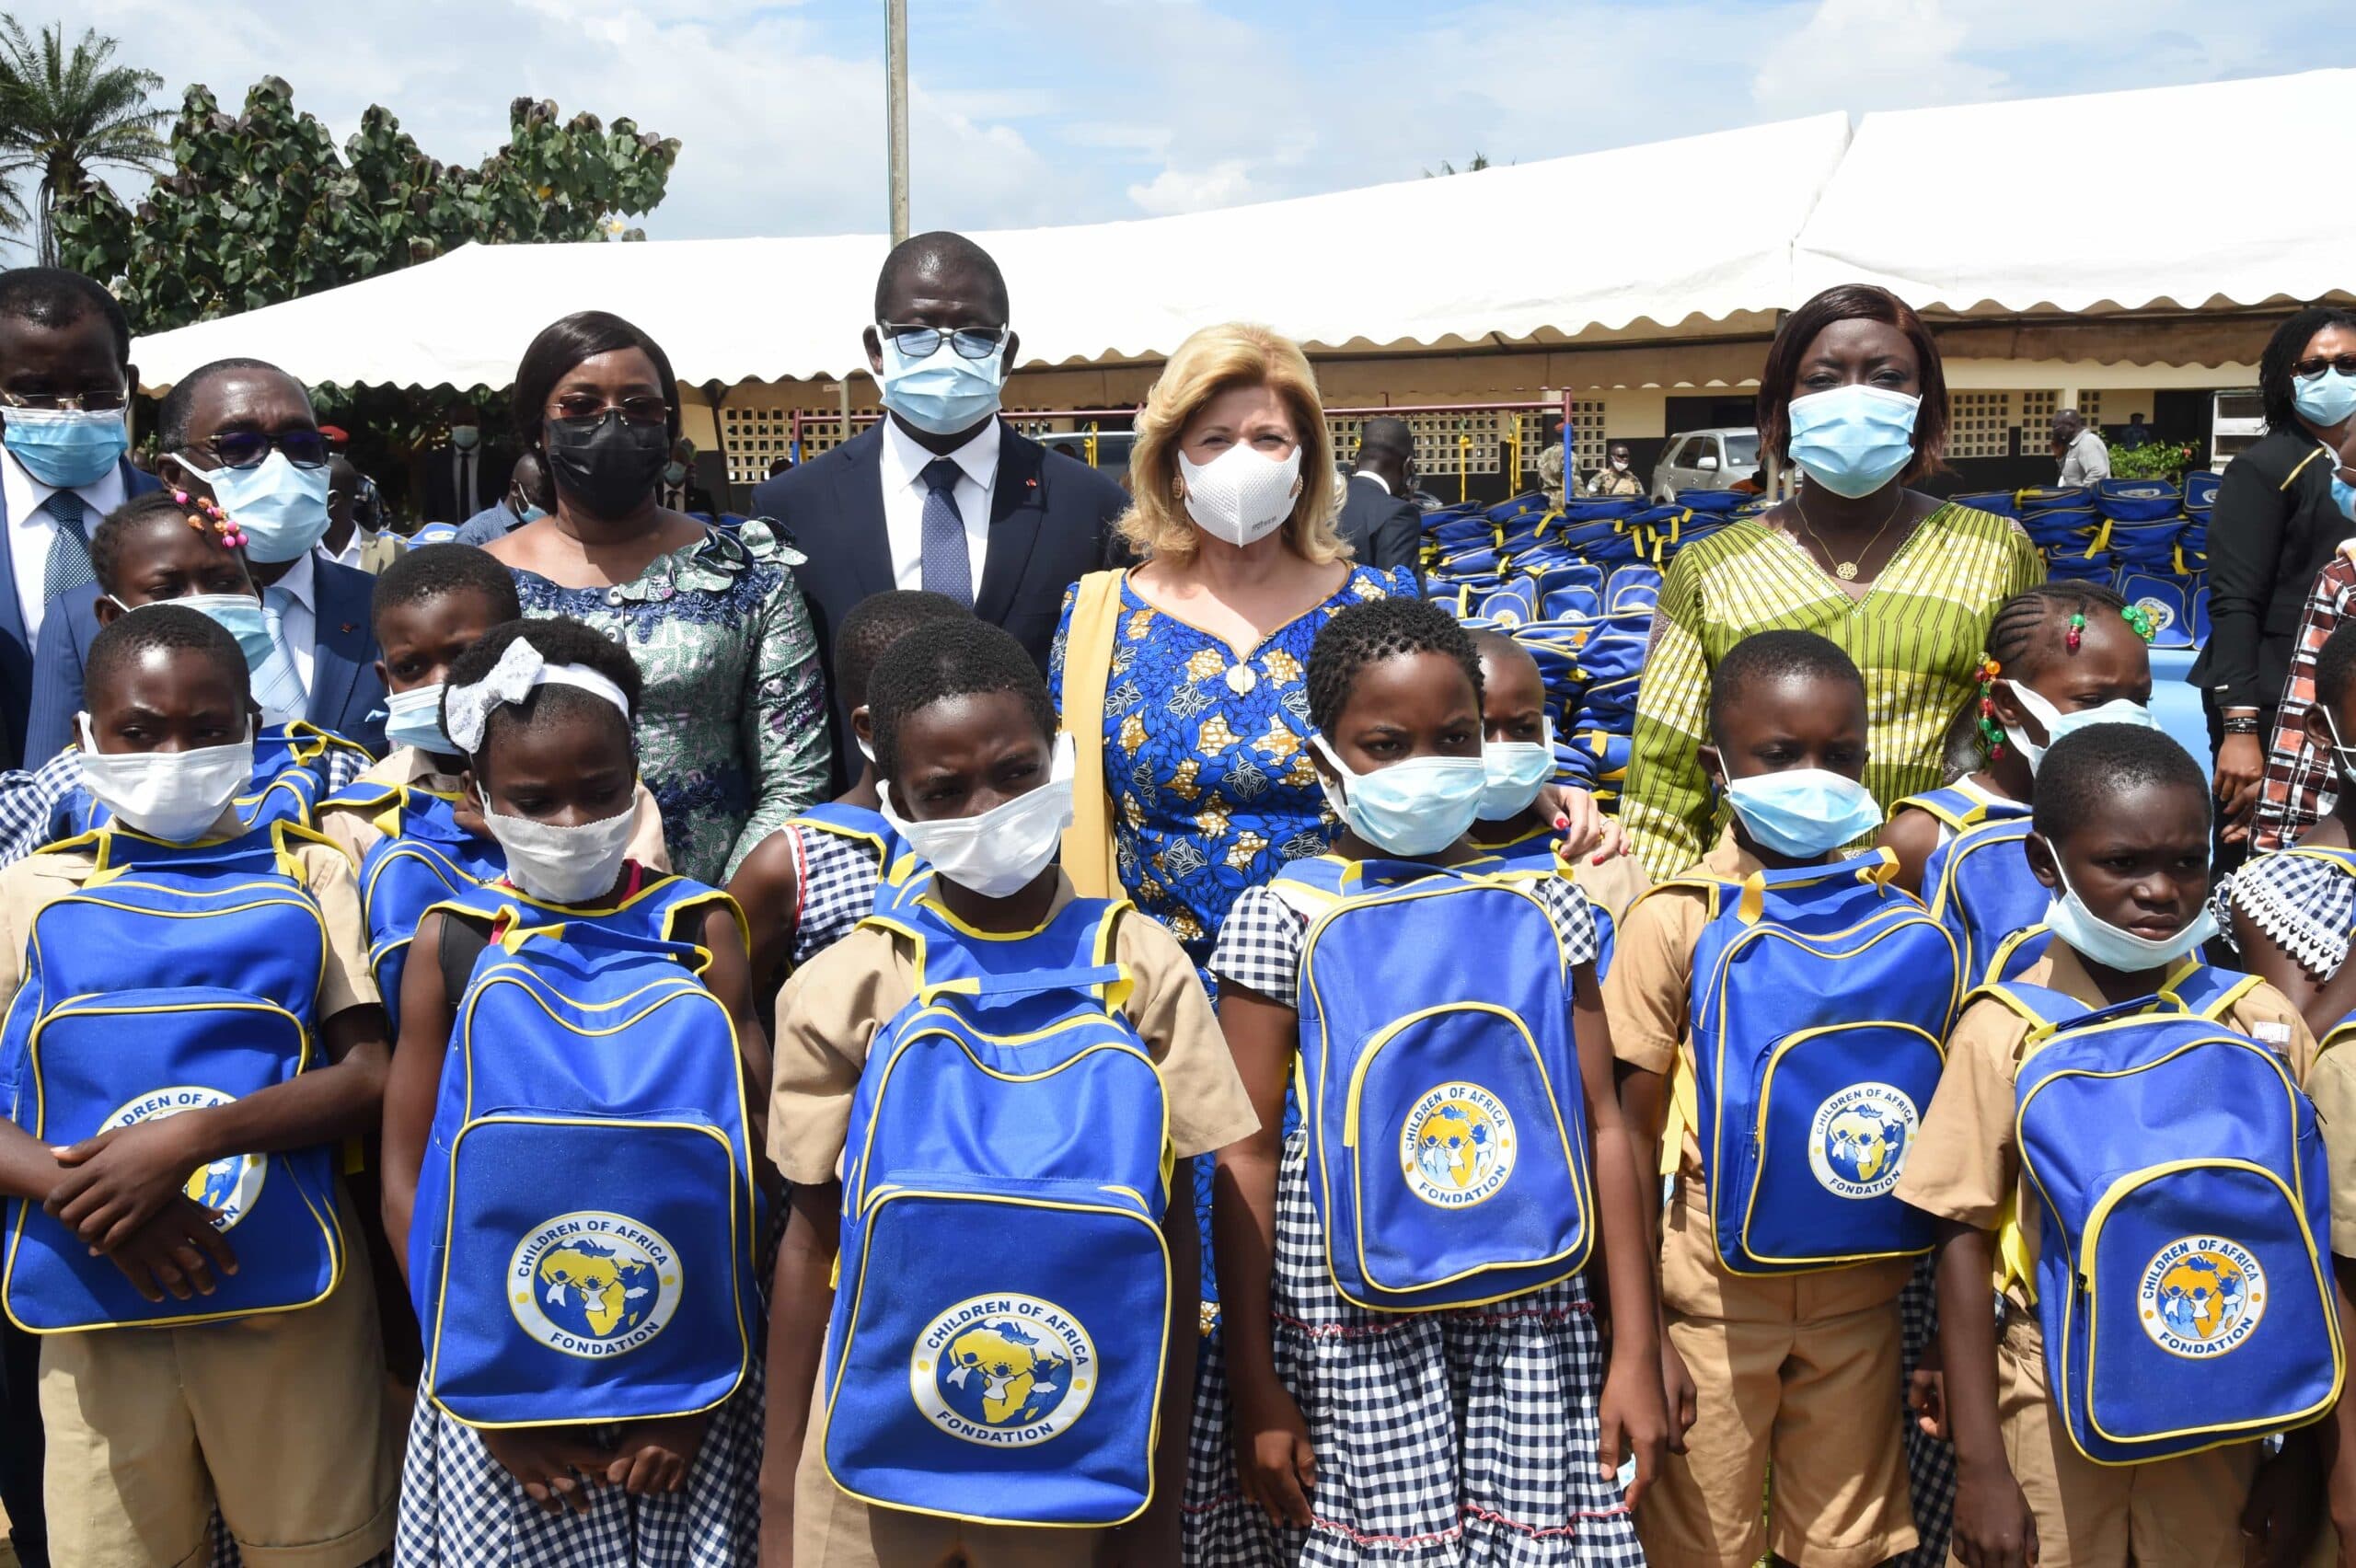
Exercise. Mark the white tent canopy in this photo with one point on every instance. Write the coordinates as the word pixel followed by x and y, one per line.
pixel 1509 252
pixel 2009 208
pixel 1993 208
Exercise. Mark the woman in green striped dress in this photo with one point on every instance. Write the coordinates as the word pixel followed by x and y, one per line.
pixel 1853 395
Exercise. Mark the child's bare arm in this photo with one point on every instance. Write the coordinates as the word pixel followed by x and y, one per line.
pixel 800 1297
pixel 1632 1413
pixel 1993 1527
pixel 415 1081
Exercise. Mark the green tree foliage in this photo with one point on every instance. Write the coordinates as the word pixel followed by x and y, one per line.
pixel 262 207
pixel 63 113
pixel 2155 460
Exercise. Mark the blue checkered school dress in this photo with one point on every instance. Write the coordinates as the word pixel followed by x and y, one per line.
pixel 1458 1439
pixel 459 1509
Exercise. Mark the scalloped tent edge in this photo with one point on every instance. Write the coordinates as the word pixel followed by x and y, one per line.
pixel 1526 270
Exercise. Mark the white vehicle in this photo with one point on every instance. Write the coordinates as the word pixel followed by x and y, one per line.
pixel 1704 459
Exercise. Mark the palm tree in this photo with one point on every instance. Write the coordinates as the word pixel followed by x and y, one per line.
pixel 61 115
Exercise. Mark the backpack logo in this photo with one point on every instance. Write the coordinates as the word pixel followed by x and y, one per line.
pixel 1458 1145
pixel 228 1186
pixel 2201 1296
pixel 1860 1139
pixel 594 1285
pixel 2160 613
pixel 1005 1371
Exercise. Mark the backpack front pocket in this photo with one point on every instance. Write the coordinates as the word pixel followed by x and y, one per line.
pixel 1810 1181
pixel 594 1268
pixel 1464 1156
pixel 115 1061
pixel 997 1350
pixel 2200 1307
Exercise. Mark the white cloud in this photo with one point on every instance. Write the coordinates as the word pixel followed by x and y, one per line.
pixel 1876 54
pixel 1224 184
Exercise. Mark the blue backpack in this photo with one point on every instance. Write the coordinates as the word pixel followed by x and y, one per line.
pixel 1960 808
pixel 1532 856
pixel 423 857
pixel 2183 1287
pixel 1448 1136
pixel 177 978
pixel 586 1222
pixel 1980 886
pixel 1820 1005
pixel 1002 1269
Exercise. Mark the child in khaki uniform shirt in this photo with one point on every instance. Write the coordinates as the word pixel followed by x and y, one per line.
pixel 2124 813
pixel 1801 1369
pixel 935 697
pixel 278 1419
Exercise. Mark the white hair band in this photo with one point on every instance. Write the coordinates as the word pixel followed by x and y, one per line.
pixel 520 669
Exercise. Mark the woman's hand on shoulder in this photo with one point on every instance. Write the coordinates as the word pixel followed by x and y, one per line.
pixel 1585 829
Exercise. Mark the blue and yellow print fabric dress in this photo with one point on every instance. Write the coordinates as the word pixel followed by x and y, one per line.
pixel 1206 757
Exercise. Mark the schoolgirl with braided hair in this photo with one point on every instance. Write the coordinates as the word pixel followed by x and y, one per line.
pixel 2057 653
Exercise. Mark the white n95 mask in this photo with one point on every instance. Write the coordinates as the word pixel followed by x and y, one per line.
pixel 999 851
pixel 175 796
pixel 1242 495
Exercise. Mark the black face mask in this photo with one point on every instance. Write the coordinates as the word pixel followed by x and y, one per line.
pixel 607 467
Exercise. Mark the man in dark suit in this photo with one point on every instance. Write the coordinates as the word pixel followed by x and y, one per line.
pixel 65 362
pixel 324 668
pixel 464 475
pixel 677 488
pixel 1380 524
pixel 941 494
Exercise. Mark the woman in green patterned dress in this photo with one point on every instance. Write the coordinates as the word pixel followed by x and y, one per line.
pixel 1853 396
pixel 732 732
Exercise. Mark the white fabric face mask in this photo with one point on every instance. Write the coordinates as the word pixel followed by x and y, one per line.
pixel 175 796
pixel 563 865
pixel 1000 851
pixel 1242 495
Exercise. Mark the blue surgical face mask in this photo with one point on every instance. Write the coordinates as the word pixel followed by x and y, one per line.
pixel 2324 400
pixel 65 448
pixel 1803 813
pixel 1854 439
pixel 529 514
pixel 2343 496
pixel 2117 710
pixel 944 392
pixel 465 438
pixel 1410 809
pixel 2079 927
pixel 413 717
pixel 239 614
pixel 1516 771
pixel 281 510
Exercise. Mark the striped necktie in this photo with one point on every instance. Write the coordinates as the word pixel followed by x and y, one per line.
pixel 68 563
pixel 278 685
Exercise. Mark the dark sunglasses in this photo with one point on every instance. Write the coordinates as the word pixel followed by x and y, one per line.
pixel 2308 369
pixel 250 448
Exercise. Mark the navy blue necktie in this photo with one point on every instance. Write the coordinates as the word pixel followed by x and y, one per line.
pixel 948 565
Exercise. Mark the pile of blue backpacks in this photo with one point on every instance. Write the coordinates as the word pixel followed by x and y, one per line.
pixel 1575 586
pixel 2145 538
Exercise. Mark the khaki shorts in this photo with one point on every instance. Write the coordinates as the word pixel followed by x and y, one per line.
pixel 834 1529
pixel 1796 1371
pixel 2181 1513
pixel 278 1419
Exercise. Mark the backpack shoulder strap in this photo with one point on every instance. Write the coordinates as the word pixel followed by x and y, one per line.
pixel 1957 808
pixel 464 937
pixel 2206 991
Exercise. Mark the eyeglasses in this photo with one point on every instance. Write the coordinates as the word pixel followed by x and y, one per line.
pixel 250 448
pixel 51 402
pixel 923 342
pixel 2308 369
pixel 581 407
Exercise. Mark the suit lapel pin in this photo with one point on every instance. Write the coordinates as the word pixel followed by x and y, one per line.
pixel 350 627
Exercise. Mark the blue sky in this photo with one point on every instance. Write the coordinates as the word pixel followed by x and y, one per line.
pixel 1043 111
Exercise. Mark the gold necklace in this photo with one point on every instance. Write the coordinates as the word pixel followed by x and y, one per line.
pixel 1846 571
